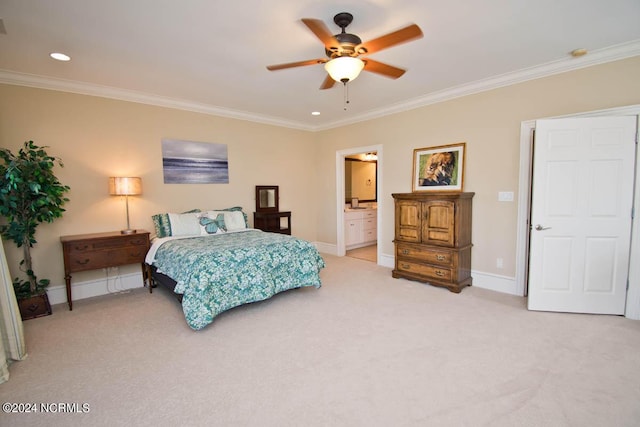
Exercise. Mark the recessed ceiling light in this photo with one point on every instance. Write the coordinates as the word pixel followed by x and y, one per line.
pixel 60 56
pixel 315 113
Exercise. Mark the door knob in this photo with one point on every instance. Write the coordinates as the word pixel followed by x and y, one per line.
pixel 540 228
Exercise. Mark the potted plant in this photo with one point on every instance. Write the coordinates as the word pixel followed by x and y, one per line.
pixel 30 194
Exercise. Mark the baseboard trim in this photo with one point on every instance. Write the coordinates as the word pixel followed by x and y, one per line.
pixel 495 282
pixel 388 261
pixel 327 248
pixel 94 288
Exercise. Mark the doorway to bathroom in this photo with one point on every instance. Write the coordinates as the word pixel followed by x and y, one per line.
pixel 358 177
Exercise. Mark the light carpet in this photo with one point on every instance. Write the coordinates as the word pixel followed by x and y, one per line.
pixel 363 350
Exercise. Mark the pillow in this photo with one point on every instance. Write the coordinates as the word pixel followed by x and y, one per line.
pixel 215 222
pixel 184 224
pixel 235 220
pixel 162 223
pixel 238 209
pixel 212 222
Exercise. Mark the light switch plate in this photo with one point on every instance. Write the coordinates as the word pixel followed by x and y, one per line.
pixel 505 196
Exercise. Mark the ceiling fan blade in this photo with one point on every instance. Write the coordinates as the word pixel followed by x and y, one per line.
pixel 403 35
pixel 296 64
pixel 327 83
pixel 382 68
pixel 322 32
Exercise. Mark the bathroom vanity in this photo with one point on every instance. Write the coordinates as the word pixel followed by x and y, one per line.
pixel 360 227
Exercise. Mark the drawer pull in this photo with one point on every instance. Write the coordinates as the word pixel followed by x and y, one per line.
pixel 82 248
pixel 440 257
pixel 439 273
pixel 405 252
pixel 86 261
pixel 406 266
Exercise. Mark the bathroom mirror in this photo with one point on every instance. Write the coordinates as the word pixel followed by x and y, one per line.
pixel 360 180
pixel 267 198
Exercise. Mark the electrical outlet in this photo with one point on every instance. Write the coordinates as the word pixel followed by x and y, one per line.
pixel 499 263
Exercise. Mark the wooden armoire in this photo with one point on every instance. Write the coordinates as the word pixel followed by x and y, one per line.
pixel 433 238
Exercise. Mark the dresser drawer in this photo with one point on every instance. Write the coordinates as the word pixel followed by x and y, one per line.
pixel 123 242
pixel 90 260
pixel 427 254
pixel 431 271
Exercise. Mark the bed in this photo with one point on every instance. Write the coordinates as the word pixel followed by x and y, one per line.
pixel 211 272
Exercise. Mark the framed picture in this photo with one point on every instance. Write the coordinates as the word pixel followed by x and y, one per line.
pixel 193 162
pixel 439 168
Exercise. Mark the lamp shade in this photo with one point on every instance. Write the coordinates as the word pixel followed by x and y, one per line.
pixel 344 68
pixel 125 186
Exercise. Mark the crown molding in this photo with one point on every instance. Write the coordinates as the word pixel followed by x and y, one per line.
pixel 601 56
pixel 62 85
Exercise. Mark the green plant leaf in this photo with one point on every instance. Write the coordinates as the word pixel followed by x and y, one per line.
pixel 30 194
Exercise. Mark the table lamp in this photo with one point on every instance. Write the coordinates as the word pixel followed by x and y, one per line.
pixel 125 186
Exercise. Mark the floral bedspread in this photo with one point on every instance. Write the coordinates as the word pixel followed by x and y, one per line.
pixel 218 272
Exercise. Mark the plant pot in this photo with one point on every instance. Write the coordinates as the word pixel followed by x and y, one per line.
pixel 35 306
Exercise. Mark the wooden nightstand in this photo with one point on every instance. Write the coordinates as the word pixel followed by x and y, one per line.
pixel 274 222
pixel 84 252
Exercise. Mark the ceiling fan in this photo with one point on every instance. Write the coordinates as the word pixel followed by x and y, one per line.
pixel 343 51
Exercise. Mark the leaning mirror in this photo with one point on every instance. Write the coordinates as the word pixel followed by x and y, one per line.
pixel 267 198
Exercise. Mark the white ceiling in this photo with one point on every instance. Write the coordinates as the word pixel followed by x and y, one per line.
pixel 210 56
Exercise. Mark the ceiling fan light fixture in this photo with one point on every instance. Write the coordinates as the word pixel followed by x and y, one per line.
pixel 344 68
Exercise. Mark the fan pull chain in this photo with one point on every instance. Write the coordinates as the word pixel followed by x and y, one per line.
pixel 346 95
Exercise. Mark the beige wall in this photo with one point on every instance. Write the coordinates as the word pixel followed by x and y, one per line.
pixel 489 123
pixel 99 137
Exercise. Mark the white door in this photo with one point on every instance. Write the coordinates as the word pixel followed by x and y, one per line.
pixel 581 207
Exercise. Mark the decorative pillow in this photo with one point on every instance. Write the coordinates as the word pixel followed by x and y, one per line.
pixel 184 224
pixel 212 223
pixel 238 209
pixel 162 223
pixel 235 220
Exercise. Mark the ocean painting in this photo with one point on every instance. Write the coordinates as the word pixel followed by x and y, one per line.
pixel 191 162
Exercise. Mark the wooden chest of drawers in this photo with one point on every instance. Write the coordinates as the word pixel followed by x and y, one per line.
pixel 433 238
pixel 434 264
pixel 85 252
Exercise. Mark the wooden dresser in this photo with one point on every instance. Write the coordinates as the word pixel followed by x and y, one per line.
pixel 84 252
pixel 433 238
